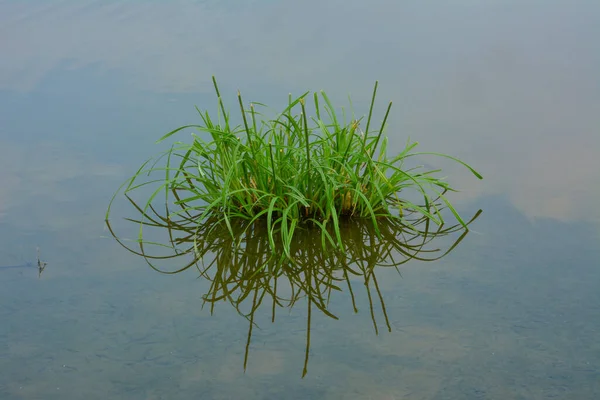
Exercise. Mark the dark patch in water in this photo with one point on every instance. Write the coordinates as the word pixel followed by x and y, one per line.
pixel 26 265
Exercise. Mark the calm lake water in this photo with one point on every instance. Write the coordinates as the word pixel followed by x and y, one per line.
pixel 512 87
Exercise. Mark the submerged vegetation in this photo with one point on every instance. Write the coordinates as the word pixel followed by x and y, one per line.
pixel 293 171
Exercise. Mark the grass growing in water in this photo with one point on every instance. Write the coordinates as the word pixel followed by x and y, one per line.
pixel 294 171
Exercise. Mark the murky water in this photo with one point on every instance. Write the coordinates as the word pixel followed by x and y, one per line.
pixel 513 312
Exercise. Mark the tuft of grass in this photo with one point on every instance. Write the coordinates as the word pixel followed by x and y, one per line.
pixel 293 172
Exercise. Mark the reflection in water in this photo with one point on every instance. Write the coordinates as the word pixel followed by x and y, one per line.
pixel 235 257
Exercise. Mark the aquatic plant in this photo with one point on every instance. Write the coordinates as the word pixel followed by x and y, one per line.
pixel 293 171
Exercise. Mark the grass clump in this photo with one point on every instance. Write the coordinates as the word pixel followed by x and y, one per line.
pixel 294 171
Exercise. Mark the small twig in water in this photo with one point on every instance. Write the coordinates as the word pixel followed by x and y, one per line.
pixel 41 264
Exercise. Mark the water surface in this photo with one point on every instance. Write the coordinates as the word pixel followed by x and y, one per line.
pixel 510 87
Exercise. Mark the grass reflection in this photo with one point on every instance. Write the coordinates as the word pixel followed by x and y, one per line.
pixel 243 271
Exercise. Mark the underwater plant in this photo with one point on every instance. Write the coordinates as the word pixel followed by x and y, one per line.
pixel 293 172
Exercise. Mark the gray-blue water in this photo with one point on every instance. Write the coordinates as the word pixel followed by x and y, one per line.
pixel 512 87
